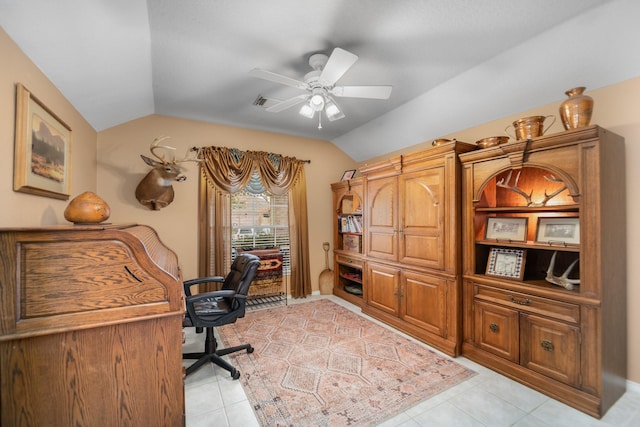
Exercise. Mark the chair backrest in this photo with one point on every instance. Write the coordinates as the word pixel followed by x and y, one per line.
pixel 243 270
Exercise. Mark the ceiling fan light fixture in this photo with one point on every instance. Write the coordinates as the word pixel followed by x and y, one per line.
pixel 317 102
pixel 332 111
pixel 320 84
pixel 307 111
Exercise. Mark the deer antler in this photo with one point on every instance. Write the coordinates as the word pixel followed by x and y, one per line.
pixel 548 197
pixel 562 280
pixel 156 144
pixel 186 157
pixel 504 183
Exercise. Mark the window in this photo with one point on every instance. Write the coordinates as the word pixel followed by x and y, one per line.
pixel 260 221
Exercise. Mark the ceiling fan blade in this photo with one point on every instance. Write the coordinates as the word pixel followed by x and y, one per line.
pixel 373 92
pixel 278 78
pixel 338 64
pixel 288 103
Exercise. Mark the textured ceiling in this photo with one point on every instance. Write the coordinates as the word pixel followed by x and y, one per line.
pixel 117 60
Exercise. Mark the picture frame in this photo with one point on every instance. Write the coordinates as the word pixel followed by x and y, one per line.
pixel 42 152
pixel 558 230
pixel 506 262
pixel 348 174
pixel 513 229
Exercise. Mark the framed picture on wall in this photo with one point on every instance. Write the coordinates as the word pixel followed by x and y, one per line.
pixel 348 174
pixel 42 154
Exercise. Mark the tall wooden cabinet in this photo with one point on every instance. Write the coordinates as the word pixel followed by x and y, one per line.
pixel 90 327
pixel 412 244
pixel 348 261
pixel 551 209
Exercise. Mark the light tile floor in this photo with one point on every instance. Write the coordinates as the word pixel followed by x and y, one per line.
pixel 488 399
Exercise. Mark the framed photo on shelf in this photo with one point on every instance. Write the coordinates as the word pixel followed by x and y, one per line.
pixel 42 154
pixel 351 243
pixel 506 228
pixel 348 174
pixel 507 263
pixel 558 230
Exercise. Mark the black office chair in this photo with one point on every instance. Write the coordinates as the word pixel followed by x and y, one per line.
pixel 222 307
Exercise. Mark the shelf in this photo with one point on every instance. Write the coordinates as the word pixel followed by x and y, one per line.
pixel 538 285
pixel 357 278
pixel 530 245
pixel 528 209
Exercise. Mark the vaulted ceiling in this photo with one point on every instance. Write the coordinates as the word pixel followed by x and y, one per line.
pixel 117 60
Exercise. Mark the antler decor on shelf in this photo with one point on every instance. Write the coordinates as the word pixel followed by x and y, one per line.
pixel 548 197
pixel 562 280
pixel 504 183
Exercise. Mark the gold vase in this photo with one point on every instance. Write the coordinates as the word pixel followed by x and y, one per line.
pixel 576 111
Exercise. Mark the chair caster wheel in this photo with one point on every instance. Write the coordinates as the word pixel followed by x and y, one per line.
pixel 235 374
pixel 250 350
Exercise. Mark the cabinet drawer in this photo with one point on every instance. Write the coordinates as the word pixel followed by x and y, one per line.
pixel 552 349
pixel 497 330
pixel 524 302
pixel 347 260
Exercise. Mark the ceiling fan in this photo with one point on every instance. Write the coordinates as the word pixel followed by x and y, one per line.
pixel 320 86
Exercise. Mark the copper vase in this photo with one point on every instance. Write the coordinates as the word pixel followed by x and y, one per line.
pixel 576 111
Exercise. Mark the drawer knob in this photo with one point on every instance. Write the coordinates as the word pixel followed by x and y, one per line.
pixel 546 345
pixel 515 300
pixel 494 328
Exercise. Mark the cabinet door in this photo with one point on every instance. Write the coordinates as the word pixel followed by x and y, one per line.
pixel 551 348
pixel 421 231
pixel 423 301
pixel 382 218
pixel 496 330
pixel 382 288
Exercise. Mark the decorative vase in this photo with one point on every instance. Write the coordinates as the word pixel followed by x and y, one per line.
pixel 87 208
pixel 529 127
pixel 576 111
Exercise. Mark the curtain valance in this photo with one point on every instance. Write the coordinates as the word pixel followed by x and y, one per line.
pixel 231 170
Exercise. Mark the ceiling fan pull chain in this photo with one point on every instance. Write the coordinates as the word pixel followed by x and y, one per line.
pixel 319 119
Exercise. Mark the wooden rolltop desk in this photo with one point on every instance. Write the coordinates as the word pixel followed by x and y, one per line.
pixel 90 327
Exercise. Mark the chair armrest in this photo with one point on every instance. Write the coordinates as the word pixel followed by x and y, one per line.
pixel 207 297
pixel 225 293
pixel 210 279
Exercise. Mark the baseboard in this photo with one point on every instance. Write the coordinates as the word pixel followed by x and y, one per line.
pixel 633 387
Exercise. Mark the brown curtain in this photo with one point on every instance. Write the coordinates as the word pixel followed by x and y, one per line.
pixel 226 171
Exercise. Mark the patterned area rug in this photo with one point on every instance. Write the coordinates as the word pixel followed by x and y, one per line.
pixel 319 364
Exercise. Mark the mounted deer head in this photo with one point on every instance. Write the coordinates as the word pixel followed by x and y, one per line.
pixel 155 191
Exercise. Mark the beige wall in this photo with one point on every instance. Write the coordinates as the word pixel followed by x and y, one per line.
pixel 616 108
pixel 120 169
pixel 20 209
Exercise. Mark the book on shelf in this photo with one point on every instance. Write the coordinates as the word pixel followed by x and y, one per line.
pixel 343 224
pixel 357 222
pixel 350 224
